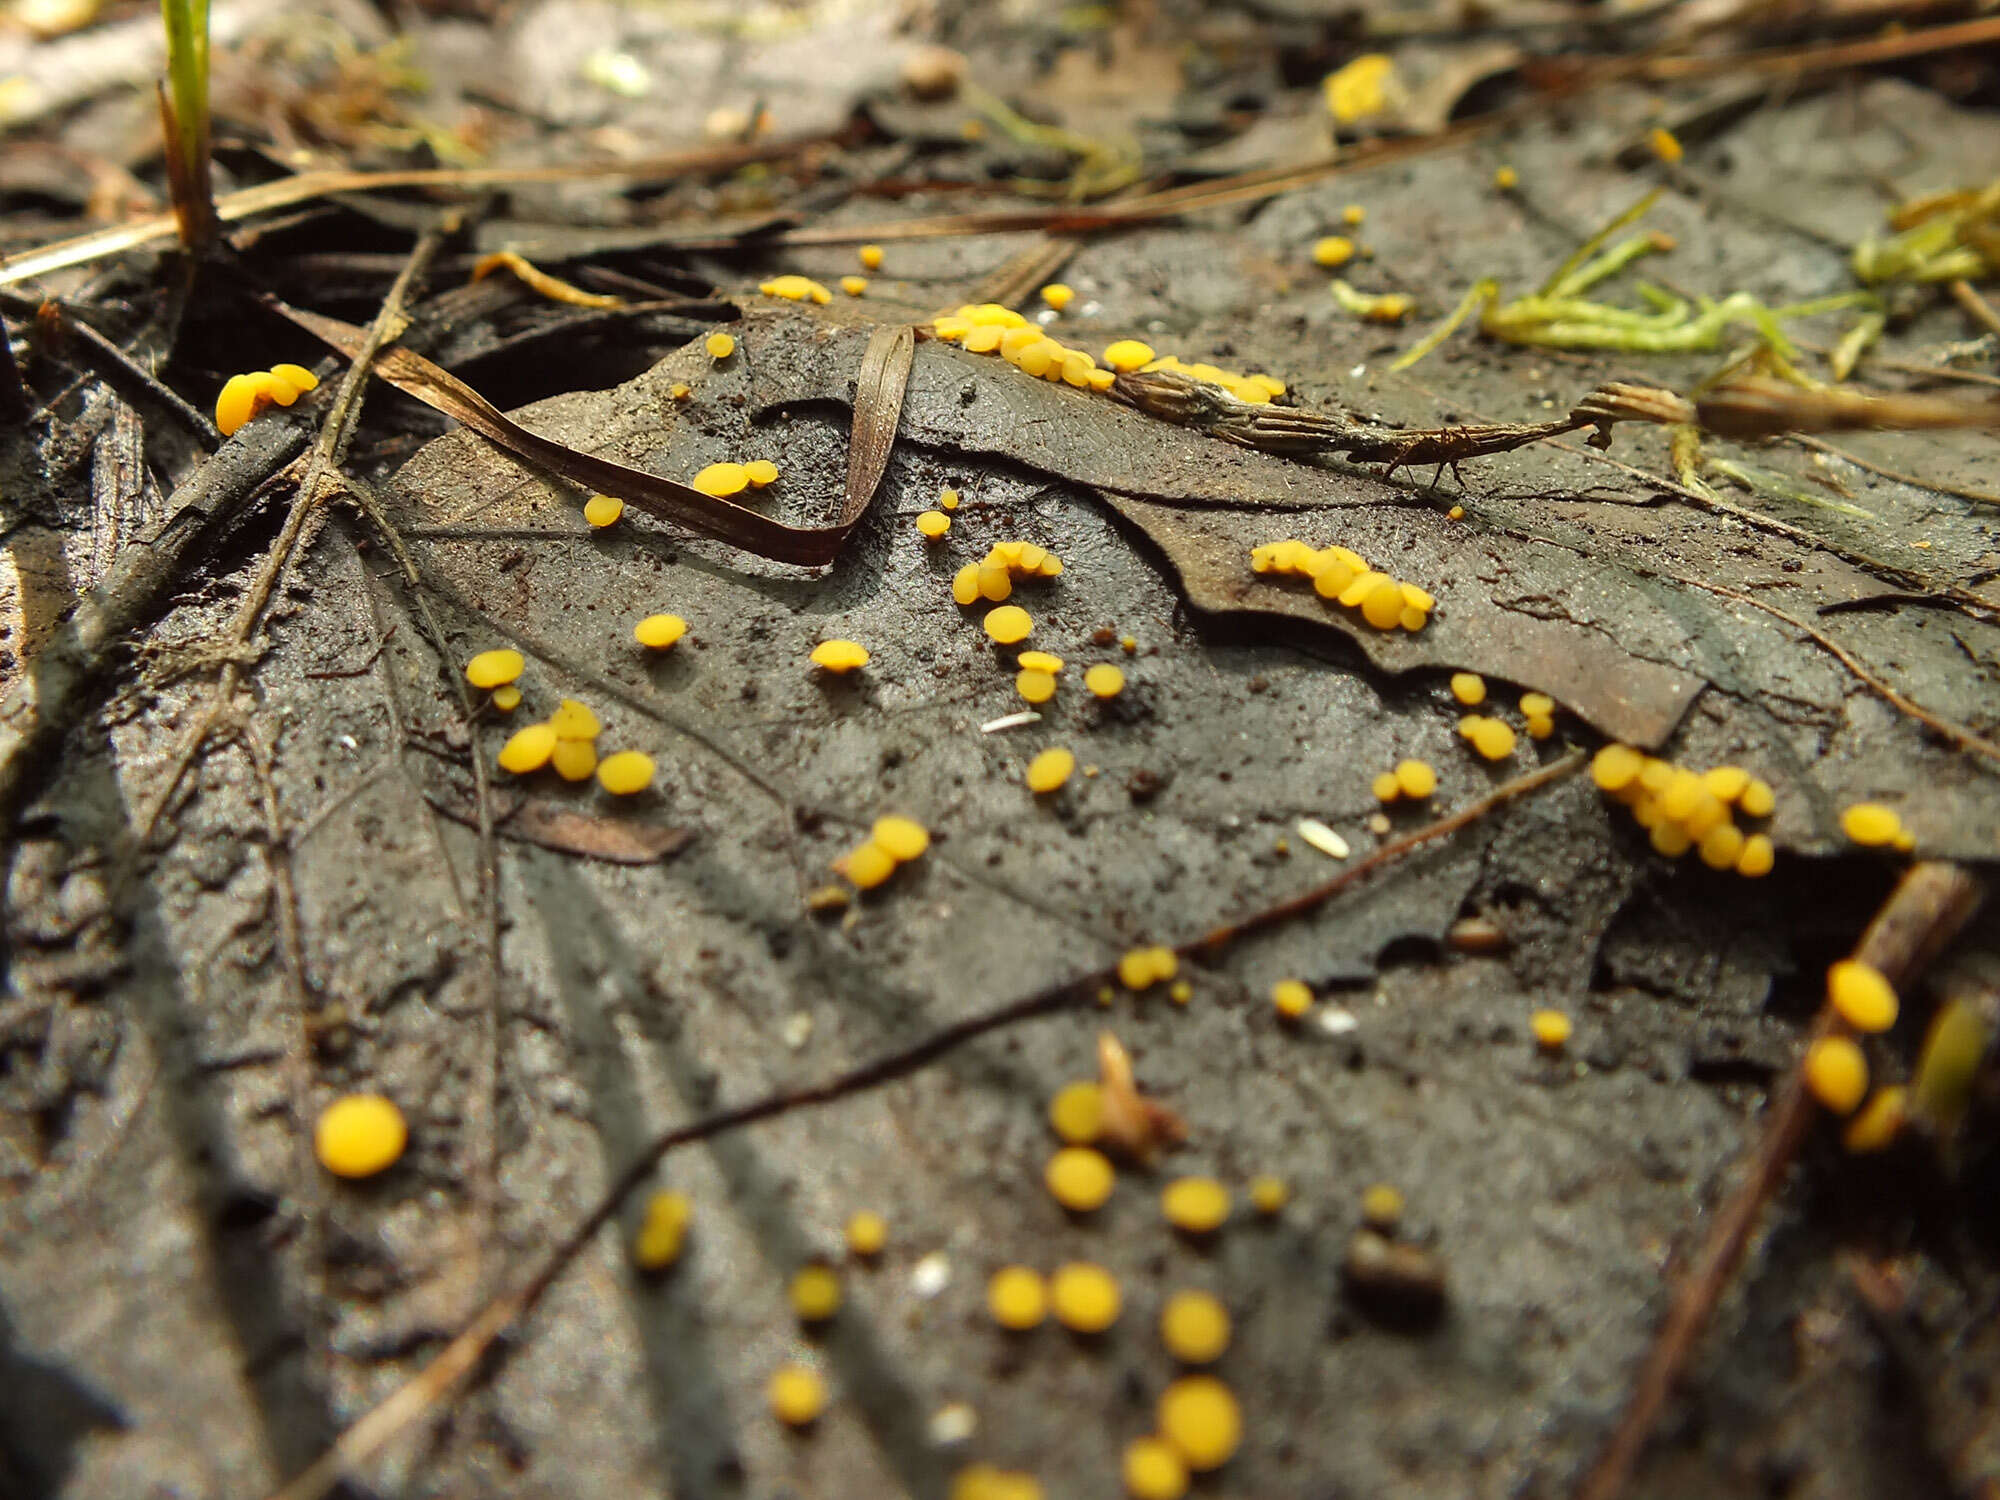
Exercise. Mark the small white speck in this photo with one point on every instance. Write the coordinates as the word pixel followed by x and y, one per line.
pixel 953 1424
pixel 931 1275
pixel 350 742
pixel 798 1029
pixel 1010 721
pixel 1357 372
pixel 1323 838
pixel 1335 1021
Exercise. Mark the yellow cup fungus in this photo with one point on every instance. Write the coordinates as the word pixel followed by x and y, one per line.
pixel 1878 1122
pixel 1079 1178
pixel 904 838
pixel 1551 1029
pixel 1757 858
pixel 663 1231
pixel 947 499
pixel 1104 680
pixel 1084 1297
pixel 795 289
pixel 574 721
pixel 658 632
pixel 1414 779
pixel 854 286
pixel 1017 1298
pixel 1616 767
pixel 1382 1206
pixel 627 772
pixel 868 866
pixel 797 1395
pixel 1153 1470
pixel 1195 1327
pixel 1757 800
pixel 1127 354
pixel 867 1232
pixel 1681 809
pixel 1862 995
pixel 1036 687
pixel 1058 296
pixel 507 698
pixel 1954 1049
pixel 360 1135
pixel 1199 1416
pixel 528 749
pixel 1468 688
pixel 839 657
pixel 815 1293
pixel 1008 624
pixel 1269 1194
pixel 933 523
pixel 1506 179
pixel 1142 967
pixel 984 1482
pixel 1870 824
pixel 1492 738
pixel 244 396
pixel 871 256
pixel 680 390
pixel 574 760
pixel 760 472
pixel 1039 661
pixel 719 345
pixel 1665 146
pixel 1180 992
pixel 1360 88
pixel 1836 1073
pixel 1537 705
pixel 1076 1113
pixel 1333 250
pixel 1048 771
pixel 492 669
pixel 1352 215
pixel 603 510
pixel 1342 576
pixel 722 480
pixel 1198 1205
pixel 1292 998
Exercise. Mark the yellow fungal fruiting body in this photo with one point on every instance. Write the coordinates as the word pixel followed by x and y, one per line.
pixel 492 669
pixel 947 499
pixel 1058 296
pixel 1200 1417
pixel 933 523
pixel 904 838
pixel 1334 250
pixel 1492 739
pixel 1049 770
pixel 1665 146
pixel 574 760
pixel 871 257
pixel 1128 354
pixel 722 480
pixel 797 1395
pixel 1382 1206
pixel 1352 215
pixel 1616 767
pixel 1757 858
pixel 1269 1195
pixel 1551 1028
pixel 1039 661
pixel 795 289
pixel 1862 995
pixel 1195 1327
pixel 360 1135
pixel 1415 778
pixel 854 286
pixel 603 510
pixel 680 390
pixel 760 472
pixel 1104 680
pixel 1198 1205
pixel 507 698
pixel 815 1293
pixel 867 1233
pixel 1153 1470
pixel 1076 1113
pixel 1681 809
pixel 1009 624
pixel 1292 998
pixel 1141 968
pixel 625 773
pixel 1870 824
pixel 869 865
pixel 1468 688
pixel 244 396
pixel 658 632
pixel 1360 88
pixel 1386 787
pixel 1016 1298
pixel 1836 1073
pixel 1342 576
pixel 528 749
pixel 719 345
pixel 1035 687
pixel 1506 179
pixel 1757 800
pixel 574 721
pixel 1948 1065
pixel 839 656
pixel 1084 1297
pixel 663 1231
pixel 1878 1123
pixel 1079 1178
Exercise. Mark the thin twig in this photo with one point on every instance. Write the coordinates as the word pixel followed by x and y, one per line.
pixel 1927 908
pixel 462 1355
pixel 1966 295
pixel 1984 497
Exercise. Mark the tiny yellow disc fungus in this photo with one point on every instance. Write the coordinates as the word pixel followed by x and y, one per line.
pixel 662 1233
pixel 1757 858
pixel 1292 998
pixel 1540 726
pixel 574 760
pixel 854 286
pixel 1269 1195
pixel 1199 1416
pixel 1870 824
pixel 869 865
pixel 1758 800
pixel 1670 838
pixel 1415 778
pixel 720 345
pixel 1180 992
pixel 1049 770
pixel 839 656
pixel 1076 368
pixel 965 584
pixel 235 404
pixel 867 1233
pixel 933 523
pixel 722 480
pixel 1104 680
pixel 1666 147
pixel 1153 1470
pixel 1127 354
pixel 983 339
pixel 1040 357
pixel 797 1395
pixel 1008 624
pixel 1382 1206
pixel 1836 1073
pixel 1195 1327
pixel 507 698
pixel 1948 1065
pixel 1039 661
pixel 1352 215
pixel 625 773
pixel 983 1481
pixel 1493 739
pixel 760 472
pixel 492 669
pixel 1721 846
pixel 1017 1298
pixel 1383 608
pixel 1195 1204
pixel 1551 1028
pixel 528 749
pixel 1537 705
pixel 904 838
pixel 1616 767
pixel 1036 687
pixel 1862 994
pixel 1084 1297
pixel 680 390
pixel 1506 179
pixel 815 1293
pixel 947 499
pixel 1334 250
pixel 1468 688
pixel 298 377
pixel 1076 1113
pixel 1386 787
pixel 796 289
pixel 658 632
pixel 1879 1121
pixel 871 256
pixel 1058 296
pixel 995 582
pixel 574 721
pixel 603 510
pixel 1079 1178
pixel 360 1135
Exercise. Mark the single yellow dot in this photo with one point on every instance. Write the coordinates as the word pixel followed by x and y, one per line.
pixel 574 760
pixel 1870 824
pixel 626 772
pixel 1016 1298
pixel 1080 1178
pixel 1199 1416
pixel 680 390
pixel 1128 354
pixel 1721 846
pixel 360 1135
pixel 603 510
pixel 904 838
pixel 1058 296
pixel 1195 1327
pixel 1292 997
pixel 658 632
pixel 1049 770
pixel 662 1233
pixel 1076 1113
pixel 1084 1297
pixel 815 1293
pixel 1537 705
pixel 507 698
pixel 492 669
pixel 797 1395
pixel 574 721
pixel 1386 787
pixel 871 256
pixel 1382 1206
pixel 854 286
pixel 947 499
pixel 1551 1028
pixel 1758 800
pixel 1180 992
pixel 1153 1470
pixel 1879 1122
pixel 1128 644
pixel 1334 250
pixel 1198 1205
pixel 1666 147
pixel 1468 688
pixel 869 865
pixel 1009 624
pixel 867 1233
pixel 1104 680
pixel 839 656
pixel 1540 726
pixel 1039 661
pixel 1493 739
pixel 1616 767
pixel 933 523
pixel 1862 994
pixel 1383 606
pixel 720 345
pixel 1415 778
pixel 760 472
pixel 1506 179
pixel 722 480
pixel 1836 1073
pixel 1269 1195
pixel 1757 858
pixel 528 749
pixel 1036 687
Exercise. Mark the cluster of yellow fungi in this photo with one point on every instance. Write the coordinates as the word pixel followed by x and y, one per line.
pixel 795 289
pixel 992 577
pixel 1682 809
pixel 892 842
pixel 567 739
pixel 1861 1002
pixel 1874 826
pixel 725 479
pixel 1342 576
pixel 244 396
